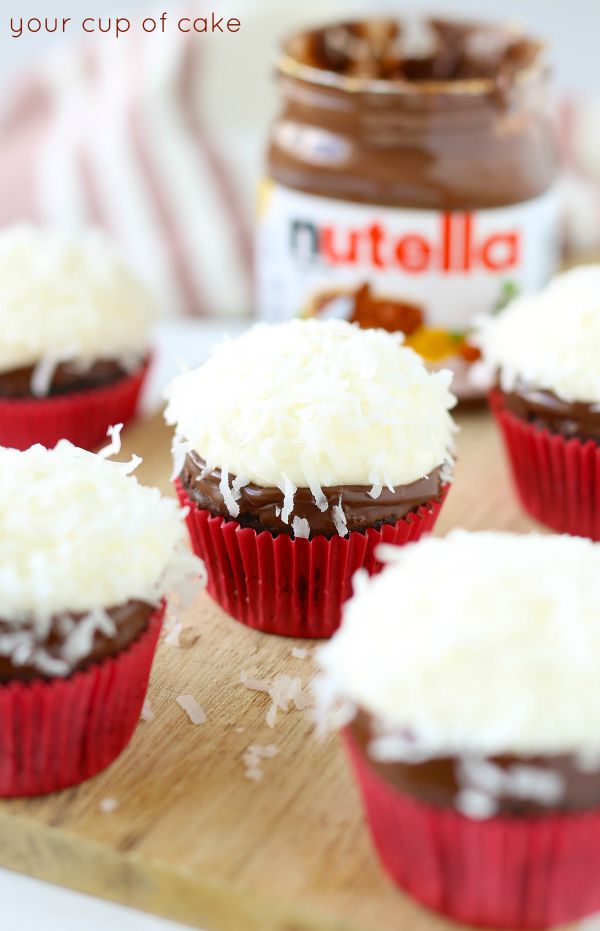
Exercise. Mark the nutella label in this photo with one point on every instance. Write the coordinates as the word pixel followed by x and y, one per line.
pixel 424 272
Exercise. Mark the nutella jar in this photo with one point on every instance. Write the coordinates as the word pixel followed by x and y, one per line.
pixel 410 181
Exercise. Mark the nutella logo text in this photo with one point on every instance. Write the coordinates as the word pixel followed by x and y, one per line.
pixel 456 246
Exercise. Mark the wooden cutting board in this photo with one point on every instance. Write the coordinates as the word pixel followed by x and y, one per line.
pixel 192 838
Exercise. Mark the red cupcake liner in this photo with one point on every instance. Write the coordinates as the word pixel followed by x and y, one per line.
pixel 502 872
pixel 82 417
pixel 291 587
pixel 57 733
pixel 557 480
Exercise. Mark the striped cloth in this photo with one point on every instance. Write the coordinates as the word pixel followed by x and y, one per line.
pixel 112 132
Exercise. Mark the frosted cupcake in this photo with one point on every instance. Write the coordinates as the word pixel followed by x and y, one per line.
pixel 544 352
pixel 474 728
pixel 301 447
pixel 87 556
pixel 74 338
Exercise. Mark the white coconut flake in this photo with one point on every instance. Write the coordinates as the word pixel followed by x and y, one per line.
pixel 79 642
pixel 194 711
pixel 588 760
pixel 228 497
pixel 257 685
pixel 254 773
pixel 147 713
pixel 108 805
pixel 179 450
pixel 317 493
pixel 114 446
pixel 299 653
pixel 253 757
pixel 339 519
pixel 475 805
pixel 43 373
pixel 68 298
pixel 289 490
pixel 236 488
pixel 301 528
pixel 377 486
pixel 172 638
pixel 285 692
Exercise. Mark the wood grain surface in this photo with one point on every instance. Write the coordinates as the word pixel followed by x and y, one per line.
pixel 191 837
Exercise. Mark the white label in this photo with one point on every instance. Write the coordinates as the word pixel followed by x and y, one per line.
pixel 452 266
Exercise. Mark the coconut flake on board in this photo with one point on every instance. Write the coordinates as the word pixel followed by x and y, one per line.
pixel 299 653
pixel 194 711
pixel 286 692
pixel 108 805
pixel 253 757
pixel 147 713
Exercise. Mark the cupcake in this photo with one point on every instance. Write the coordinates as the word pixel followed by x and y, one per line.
pixel 472 715
pixel 544 352
pixel 87 556
pixel 74 338
pixel 299 448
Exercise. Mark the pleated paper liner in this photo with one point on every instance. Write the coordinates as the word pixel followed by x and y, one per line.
pixel 291 587
pixel 502 872
pixel 557 480
pixel 59 732
pixel 82 417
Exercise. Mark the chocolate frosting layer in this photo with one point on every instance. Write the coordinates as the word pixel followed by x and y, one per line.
pixel 438 781
pixel 130 621
pixel 67 377
pixel 544 409
pixel 260 507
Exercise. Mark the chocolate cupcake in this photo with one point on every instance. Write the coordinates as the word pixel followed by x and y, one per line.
pixel 543 352
pixel 74 337
pixel 300 447
pixel 472 717
pixel 87 556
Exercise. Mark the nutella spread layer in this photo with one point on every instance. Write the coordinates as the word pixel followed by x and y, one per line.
pixel 440 780
pixel 128 620
pixel 261 508
pixel 544 409
pixel 416 157
pixel 67 377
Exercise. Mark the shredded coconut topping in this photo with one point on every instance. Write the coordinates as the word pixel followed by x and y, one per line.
pixel 310 404
pixel 65 299
pixel 194 711
pixel 550 339
pixel 80 535
pixel 479 643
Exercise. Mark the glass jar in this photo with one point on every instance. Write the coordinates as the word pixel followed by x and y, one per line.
pixel 409 201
